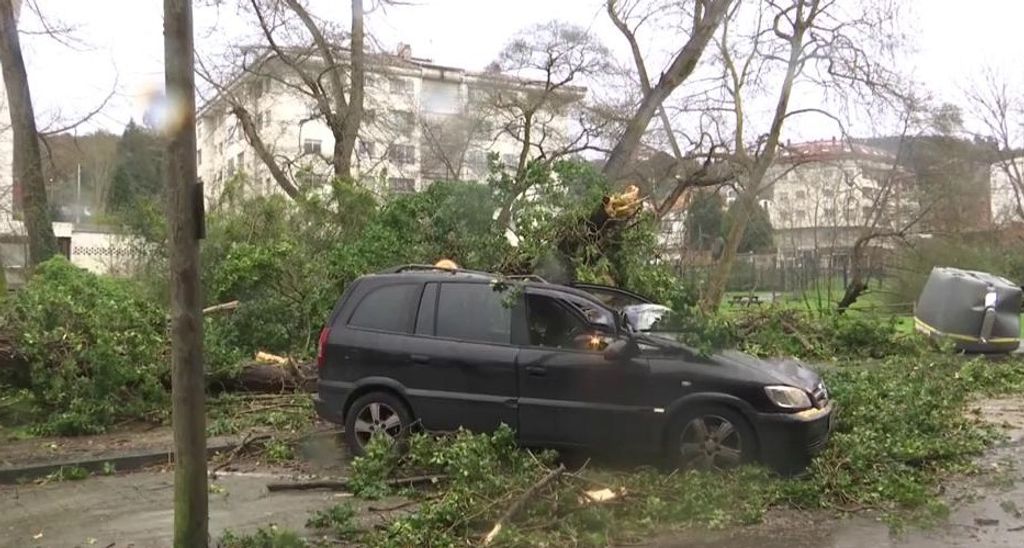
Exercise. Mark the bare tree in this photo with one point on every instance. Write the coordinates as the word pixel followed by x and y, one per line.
pixel 1000 109
pixel 833 47
pixel 538 88
pixel 706 16
pixel 300 52
pixel 28 164
pixel 453 142
pixel 895 206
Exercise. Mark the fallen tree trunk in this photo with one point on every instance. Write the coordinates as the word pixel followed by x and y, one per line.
pixel 257 376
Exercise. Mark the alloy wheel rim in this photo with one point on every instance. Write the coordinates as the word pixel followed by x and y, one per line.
pixel 377 418
pixel 711 442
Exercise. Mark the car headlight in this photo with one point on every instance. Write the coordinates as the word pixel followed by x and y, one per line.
pixel 788 397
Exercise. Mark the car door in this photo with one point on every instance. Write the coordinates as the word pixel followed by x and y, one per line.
pixel 462 371
pixel 569 394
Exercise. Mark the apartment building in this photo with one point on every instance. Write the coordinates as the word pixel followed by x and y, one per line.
pixel 1006 197
pixel 422 122
pixel 826 192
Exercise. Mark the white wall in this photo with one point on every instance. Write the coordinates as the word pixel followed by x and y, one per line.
pixel 1004 195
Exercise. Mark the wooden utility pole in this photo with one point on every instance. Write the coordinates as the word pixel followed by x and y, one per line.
pixel 184 215
pixel 28 163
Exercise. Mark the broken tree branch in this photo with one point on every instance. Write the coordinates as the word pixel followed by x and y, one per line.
pixel 223 307
pixel 342 484
pixel 519 502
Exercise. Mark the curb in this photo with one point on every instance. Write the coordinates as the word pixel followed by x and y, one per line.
pixel 122 462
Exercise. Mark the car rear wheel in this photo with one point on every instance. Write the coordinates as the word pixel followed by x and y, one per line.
pixel 710 437
pixel 376 414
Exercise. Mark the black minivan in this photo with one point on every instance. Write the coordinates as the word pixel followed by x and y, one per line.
pixel 444 349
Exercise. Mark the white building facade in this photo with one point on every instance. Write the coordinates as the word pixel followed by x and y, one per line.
pixel 827 193
pixel 1007 197
pixel 421 123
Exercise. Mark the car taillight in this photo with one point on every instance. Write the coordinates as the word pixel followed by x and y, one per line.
pixel 321 347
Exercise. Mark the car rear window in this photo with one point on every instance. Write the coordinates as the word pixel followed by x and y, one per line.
pixel 388 308
pixel 473 312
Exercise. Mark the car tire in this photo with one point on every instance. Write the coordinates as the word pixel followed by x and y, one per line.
pixel 709 436
pixel 376 413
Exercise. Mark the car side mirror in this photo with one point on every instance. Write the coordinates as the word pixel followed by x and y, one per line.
pixel 621 349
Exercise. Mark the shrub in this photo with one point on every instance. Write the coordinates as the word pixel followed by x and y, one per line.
pixel 96 348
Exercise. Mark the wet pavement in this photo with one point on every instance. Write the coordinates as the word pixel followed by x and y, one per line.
pixel 136 509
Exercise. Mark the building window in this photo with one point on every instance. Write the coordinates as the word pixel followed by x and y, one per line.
pixel 311 146
pixel 866 212
pixel 510 160
pixel 367 148
pixel 231 166
pixel 402 154
pixel 402 184
pixel 800 195
pixel 828 192
pixel 440 97
pixel 477 160
pixel 405 121
pixel 800 215
pixel 199 157
pixel 829 213
pixel 370 116
pixel 241 161
pixel 400 85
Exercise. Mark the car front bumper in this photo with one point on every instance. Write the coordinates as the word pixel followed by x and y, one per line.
pixel 788 441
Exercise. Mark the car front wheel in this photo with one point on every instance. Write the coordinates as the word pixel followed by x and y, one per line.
pixel 376 414
pixel 710 437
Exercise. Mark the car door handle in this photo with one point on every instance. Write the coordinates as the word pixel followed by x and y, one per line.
pixel 419 358
pixel 536 370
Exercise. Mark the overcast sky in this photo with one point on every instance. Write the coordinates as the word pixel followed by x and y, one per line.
pixel 122 43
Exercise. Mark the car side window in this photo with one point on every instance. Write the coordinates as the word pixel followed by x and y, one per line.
pixel 388 308
pixel 473 312
pixel 556 323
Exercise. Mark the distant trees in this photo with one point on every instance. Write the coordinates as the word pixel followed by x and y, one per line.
pixel 138 173
pixel 96 153
pixel 704 220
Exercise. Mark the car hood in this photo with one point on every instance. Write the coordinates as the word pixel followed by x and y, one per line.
pixel 789 371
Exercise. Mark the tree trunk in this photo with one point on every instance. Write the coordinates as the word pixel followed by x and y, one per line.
pixel 191 511
pixel 345 140
pixel 715 290
pixel 519 182
pixel 28 163
pixel 856 285
pixel 680 69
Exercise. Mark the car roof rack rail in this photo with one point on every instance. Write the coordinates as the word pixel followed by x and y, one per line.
pixel 530 277
pixel 430 267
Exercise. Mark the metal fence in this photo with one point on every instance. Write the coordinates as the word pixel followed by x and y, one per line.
pixel 786 274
